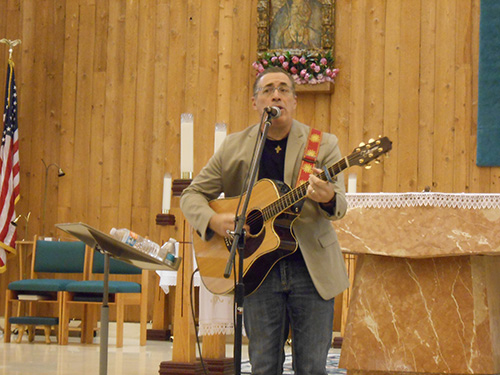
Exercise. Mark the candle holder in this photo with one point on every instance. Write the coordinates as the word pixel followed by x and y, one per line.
pixel 179 185
pixel 165 219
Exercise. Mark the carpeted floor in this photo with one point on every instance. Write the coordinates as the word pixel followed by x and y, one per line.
pixel 332 366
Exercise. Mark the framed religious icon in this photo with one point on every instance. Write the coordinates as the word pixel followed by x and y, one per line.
pixel 297 35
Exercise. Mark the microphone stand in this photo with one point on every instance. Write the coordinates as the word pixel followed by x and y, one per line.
pixel 239 243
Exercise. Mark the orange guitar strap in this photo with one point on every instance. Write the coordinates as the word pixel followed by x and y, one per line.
pixel 310 155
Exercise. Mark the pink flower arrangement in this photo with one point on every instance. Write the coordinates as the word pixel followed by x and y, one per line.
pixel 305 68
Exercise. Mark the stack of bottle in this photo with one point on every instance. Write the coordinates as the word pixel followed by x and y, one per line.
pixel 165 253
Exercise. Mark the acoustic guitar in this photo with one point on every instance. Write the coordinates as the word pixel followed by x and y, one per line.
pixel 271 211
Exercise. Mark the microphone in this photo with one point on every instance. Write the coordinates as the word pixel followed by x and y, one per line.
pixel 273 112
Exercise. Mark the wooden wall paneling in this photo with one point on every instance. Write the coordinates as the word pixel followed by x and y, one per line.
pixel 408 95
pixel 159 146
pixel 463 97
pixel 53 57
pixel 68 109
pixel 339 101
pixel 391 93
pixel 208 88
pixel 39 129
pixel 252 115
pixel 45 27
pixel 113 117
pixel 445 100
pixel 224 73
pixel 142 161
pixel 171 132
pixel 98 114
pixel 322 113
pixel 306 108
pixel 129 172
pixel 427 94
pixel 79 171
pixel 55 64
pixel 243 55
pixel 176 76
pixel 193 29
pixel 358 62
pixel 373 121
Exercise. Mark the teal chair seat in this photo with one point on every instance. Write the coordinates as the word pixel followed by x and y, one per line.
pixel 39 285
pixel 97 286
pixel 35 320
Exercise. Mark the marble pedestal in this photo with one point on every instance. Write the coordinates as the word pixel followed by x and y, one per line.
pixel 426 293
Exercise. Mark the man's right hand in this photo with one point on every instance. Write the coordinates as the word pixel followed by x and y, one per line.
pixel 221 223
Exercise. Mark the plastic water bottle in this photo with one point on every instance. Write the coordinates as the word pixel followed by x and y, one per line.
pixel 133 239
pixel 167 252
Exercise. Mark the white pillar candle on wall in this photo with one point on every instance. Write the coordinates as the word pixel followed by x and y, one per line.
pixel 220 134
pixel 187 135
pixel 351 183
pixel 167 193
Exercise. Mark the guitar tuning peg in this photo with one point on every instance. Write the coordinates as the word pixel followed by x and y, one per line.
pixel 368 166
pixel 377 161
pixel 362 144
pixel 371 140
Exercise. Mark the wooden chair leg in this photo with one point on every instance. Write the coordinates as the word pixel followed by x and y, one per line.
pixel 63 329
pixel 31 333
pixel 20 330
pixel 60 306
pixel 120 317
pixel 7 325
pixel 89 323
pixel 85 323
pixel 46 330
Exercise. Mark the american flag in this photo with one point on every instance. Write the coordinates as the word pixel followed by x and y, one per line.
pixel 9 169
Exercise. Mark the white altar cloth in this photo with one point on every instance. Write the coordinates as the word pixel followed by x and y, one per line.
pixel 216 312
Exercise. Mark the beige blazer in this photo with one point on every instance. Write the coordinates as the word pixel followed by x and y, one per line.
pixel 226 171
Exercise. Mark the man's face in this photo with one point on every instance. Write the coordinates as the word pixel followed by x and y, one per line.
pixel 282 97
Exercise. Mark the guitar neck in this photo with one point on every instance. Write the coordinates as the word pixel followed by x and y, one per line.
pixel 296 195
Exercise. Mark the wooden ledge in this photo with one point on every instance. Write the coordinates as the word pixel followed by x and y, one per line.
pixel 320 88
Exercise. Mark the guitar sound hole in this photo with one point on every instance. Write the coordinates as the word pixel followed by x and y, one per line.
pixel 255 221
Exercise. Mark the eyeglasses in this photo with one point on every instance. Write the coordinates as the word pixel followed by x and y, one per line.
pixel 269 90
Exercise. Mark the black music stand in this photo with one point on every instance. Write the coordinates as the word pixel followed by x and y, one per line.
pixel 111 247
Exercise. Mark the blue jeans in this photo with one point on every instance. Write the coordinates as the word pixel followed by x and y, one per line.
pixel 287 297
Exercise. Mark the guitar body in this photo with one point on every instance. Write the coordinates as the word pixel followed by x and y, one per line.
pixel 268 242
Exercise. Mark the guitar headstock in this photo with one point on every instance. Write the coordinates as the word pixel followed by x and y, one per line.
pixel 366 153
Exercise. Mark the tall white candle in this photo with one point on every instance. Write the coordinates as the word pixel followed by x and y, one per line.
pixel 220 134
pixel 351 183
pixel 187 136
pixel 167 193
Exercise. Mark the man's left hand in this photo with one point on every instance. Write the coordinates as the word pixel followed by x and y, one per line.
pixel 318 190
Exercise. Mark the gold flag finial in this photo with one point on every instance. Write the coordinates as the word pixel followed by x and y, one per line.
pixel 12 44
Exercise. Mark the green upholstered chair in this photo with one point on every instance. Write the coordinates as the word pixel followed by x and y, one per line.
pixel 89 293
pixel 54 265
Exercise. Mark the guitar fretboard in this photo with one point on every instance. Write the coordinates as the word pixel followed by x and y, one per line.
pixel 295 195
